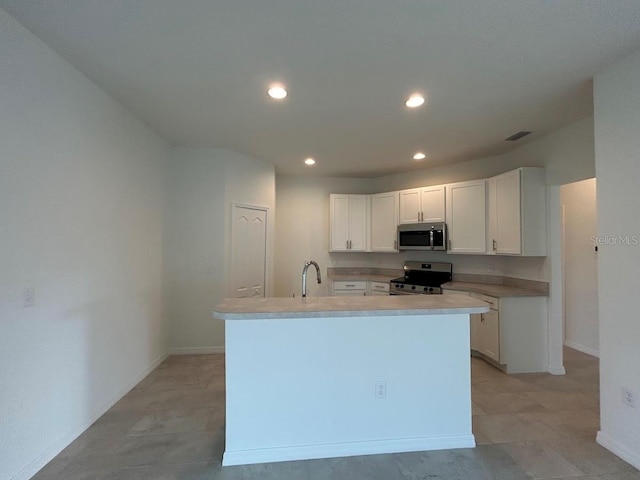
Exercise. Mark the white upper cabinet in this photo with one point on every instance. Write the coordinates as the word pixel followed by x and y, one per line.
pixel 410 206
pixel 349 222
pixel 465 206
pixel 426 204
pixel 384 222
pixel 517 213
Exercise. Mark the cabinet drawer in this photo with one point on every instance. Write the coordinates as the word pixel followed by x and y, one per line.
pixel 494 302
pixel 454 292
pixel 379 287
pixel 349 293
pixel 356 285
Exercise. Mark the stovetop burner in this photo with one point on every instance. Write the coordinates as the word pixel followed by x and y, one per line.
pixel 421 278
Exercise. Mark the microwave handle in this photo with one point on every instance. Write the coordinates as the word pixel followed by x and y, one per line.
pixel 431 239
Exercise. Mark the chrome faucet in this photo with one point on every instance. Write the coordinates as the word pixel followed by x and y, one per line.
pixel 304 275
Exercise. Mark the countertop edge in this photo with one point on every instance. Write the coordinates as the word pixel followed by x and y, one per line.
pixel 347 313
pixel 493 290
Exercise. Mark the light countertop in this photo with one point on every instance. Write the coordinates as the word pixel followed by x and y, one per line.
pixel 494 290
pixel 319 307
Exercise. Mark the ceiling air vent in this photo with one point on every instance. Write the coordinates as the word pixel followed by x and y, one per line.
pixel 517 136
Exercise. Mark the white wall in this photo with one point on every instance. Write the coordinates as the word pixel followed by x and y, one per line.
pixel 81 193
pixel 580 262
pixel 302 230
pixel 303 209
pixel 617 144
pixel 201 185
pixel 567 154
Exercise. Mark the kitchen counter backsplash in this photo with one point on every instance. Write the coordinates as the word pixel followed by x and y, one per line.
pixel 386 274
pixel 542 287
pixel 364 273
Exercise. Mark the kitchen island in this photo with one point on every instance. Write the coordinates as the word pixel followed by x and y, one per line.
pixel 339 376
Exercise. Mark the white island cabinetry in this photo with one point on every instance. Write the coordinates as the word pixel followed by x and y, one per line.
pixel 303 375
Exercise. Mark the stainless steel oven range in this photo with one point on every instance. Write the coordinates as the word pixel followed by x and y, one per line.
pixel 421 278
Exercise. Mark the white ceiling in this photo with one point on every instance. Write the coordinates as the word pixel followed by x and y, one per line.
pixel 196 71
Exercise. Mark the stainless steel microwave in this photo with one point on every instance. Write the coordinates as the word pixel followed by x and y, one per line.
pixel 422 236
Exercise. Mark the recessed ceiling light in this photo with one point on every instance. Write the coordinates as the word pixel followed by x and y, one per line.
pixel 277 91
pixel 310 161
pixel 419 156
pixel 414 100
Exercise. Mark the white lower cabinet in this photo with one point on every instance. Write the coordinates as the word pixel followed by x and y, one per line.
pixel 378 288
pixel 349 288
pixel 512 334
pixel 341 288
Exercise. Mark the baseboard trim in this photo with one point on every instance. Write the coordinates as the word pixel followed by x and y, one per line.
pixel 556 370
pixel 614 446
pixel 581 348
pixel 64 440
pixel 196 350
pixel 347 449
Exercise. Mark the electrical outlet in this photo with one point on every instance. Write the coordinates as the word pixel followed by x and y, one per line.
pixel 628 398
pixel 381 389
pixel 490 268
pixel 28 297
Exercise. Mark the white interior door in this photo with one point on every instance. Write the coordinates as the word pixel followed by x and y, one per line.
pixel 248 251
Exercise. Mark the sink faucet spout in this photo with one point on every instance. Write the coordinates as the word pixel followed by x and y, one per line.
pixel 304 275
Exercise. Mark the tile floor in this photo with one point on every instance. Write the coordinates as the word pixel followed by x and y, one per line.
pixel 171 426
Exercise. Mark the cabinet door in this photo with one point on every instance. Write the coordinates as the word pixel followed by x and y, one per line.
pixel 384 222
pixel 465 206
pixel 339 224
pixel 358 222
pixel 378 288
pixel 492 241
pixel 490 335
pixel 410 206
pixel 433 204
pixel 508 225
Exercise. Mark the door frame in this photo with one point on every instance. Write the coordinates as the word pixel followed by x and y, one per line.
pixel 555 307
pixel 268 258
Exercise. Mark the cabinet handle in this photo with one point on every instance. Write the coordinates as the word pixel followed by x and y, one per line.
pixel 449 244
pixel 349 285
pixel 346 245
pixel 495 245
pixel 482 317
pixel 349 244
pixel 422 216
pixel 395 244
